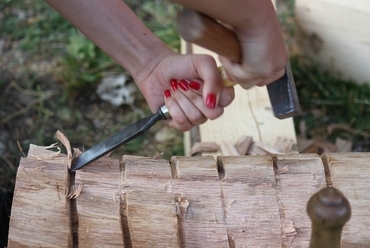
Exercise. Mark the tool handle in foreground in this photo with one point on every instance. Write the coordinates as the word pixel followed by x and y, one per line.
pixel 208 33
pixel 329 211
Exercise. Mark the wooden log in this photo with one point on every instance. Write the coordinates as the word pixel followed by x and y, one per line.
pixel 40 209
pixel 235 201
pixel 349 172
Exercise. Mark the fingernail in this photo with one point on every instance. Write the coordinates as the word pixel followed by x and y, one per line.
pixel 167 93
pixel 183 85
pixel 174 84
pixel 194 85
pixel 211 101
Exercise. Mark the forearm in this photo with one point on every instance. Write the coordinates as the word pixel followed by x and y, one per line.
pixel 113 27
pixel 241 14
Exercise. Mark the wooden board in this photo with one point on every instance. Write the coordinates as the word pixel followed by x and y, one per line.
pixel 336 34
pixel 250 114
pixel 242 201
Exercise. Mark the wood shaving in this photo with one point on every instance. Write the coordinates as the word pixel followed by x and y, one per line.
pixel 76 191
pixel 62 138
pixel 158 155
pixel 77 151
pixel 282 170
pixel 20 148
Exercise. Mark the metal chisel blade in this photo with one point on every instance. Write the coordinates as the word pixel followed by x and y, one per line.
pixel 118 139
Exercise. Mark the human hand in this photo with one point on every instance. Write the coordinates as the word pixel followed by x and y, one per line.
pixel 264 54
pixel 189 85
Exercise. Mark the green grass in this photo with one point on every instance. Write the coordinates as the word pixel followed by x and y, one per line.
pixel 328 100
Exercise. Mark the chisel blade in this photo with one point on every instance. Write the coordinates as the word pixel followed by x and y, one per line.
pixel 118 139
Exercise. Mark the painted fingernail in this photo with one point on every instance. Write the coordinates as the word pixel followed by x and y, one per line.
pixel 211 101
pixel 174 84
pixel 194 85
pixel 167 93
pixel 183 85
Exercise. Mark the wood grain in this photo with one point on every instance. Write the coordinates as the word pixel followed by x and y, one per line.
pixel 100 225
pixel 40 209
pixel 250 201
pixel 349 172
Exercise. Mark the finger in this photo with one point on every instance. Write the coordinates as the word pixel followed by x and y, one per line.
pixel 189 96
pixel 189 105
pixel 209 74
pixel 226 97
pixel 178 118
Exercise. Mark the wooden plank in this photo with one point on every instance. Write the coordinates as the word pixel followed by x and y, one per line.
pixel 200 212
pixel 298 178
pixel 40 209
pixel 149 203
pixel 98 205
pixel 339 39
pixel 250 114
pixel 250 200
pixel 349 172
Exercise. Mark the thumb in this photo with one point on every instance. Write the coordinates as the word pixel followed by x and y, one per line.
pixel 212 87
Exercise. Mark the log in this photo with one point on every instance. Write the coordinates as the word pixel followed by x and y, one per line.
pixel 231 201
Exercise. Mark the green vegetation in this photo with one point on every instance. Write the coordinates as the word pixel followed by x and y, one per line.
pixel 333 107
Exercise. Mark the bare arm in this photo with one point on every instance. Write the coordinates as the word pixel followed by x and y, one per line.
pixel 113 27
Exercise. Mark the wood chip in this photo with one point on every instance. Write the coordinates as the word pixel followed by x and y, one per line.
pixel 259 148
pixel 228 149
pixel 243 144
pixel 200 147
pixel 284 145
pixel 343 145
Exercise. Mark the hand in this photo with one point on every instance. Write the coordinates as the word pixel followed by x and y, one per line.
pixel 195 94
pixel 264 54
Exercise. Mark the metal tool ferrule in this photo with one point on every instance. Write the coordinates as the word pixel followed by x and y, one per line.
pixel 165 112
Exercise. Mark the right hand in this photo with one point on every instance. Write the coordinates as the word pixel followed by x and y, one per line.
pixel 189 107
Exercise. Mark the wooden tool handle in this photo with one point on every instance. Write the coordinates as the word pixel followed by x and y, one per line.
pixel 329 210
pixel 206 32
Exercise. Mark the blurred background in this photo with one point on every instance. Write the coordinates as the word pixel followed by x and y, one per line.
pixel 53 78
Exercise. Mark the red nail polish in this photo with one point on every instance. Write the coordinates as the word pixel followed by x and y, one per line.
pixel 167 93
pixel 194 85
pixel 174 84
pixel 183 85
pixel 211 101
